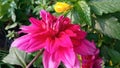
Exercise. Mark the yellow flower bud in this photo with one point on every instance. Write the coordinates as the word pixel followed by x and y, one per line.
pixel 62 7
pixel 111 64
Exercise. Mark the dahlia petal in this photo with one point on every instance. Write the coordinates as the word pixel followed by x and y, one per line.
pixel 70 33
pixel 49 61
pixel 56 25
pixel 20 41
pixel 87 61
pixel 98 63
pixel 50 45
pixel 40 37
pixel 68 57
pixel 81 34
pixel 25 29
pixel 86 48
pixel 66 20
pixel 34 47
pixel 74 27
pixel 29 29
pixel 38 40
pixel 47 18
pixel 26 43
pixel 65 39
pixel 35 22
pixel 43 14
pixel 92 61
pixel 77 64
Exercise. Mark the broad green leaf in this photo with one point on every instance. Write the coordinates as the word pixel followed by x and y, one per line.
pixel 16 57
pixel 84 11
pixel 105 6
pixel 74 16
pixel 110 55
pixel 108 26
pixel 115 56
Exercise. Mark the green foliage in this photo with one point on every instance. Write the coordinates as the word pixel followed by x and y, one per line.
pixel 83 11
pixel 100 18
pixel 16 57
pixel 3 53
pixel 7 8
pixel 38 62
pixel 112 55
pixel 80 13
pixel 105 6
pixel 109 26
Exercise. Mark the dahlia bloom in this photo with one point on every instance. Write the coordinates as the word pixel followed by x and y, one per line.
pixel 92 61
pixel 61 40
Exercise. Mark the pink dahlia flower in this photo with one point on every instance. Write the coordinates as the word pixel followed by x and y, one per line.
pixel 92 61
pixel 61 40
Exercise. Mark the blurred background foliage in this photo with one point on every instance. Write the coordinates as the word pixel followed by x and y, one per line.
pixel 99 18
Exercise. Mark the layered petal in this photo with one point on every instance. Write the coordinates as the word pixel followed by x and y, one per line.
pixel 76 65
pixel 51 46
pixel 49 60
pixel 92 61
pixel 22 41
pixel 86 48
pixel 98 63
pixel 47 18
pixel 64 40
pixel 26 43
pixel 70 33
pixel 35 22
pixel 87 61
pixel 67 56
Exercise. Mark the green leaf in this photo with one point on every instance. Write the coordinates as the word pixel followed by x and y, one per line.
pixel 84 11
pixel 104 53
pixel 108 26
pixel 74 16
pixel 110 55
pixel 38 62
pixel 105 6
pixel 117 45
pixel 10 26
pixel 4 8
pixel 7 8
pixel 11 34
pixel 115 56
pixel 13 16
pixel 16 56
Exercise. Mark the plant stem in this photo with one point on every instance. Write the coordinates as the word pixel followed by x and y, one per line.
pixel 35 58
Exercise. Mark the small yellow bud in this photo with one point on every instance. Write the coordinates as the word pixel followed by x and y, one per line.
pixel 62 7
pixel 80 59
pixel 111 64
